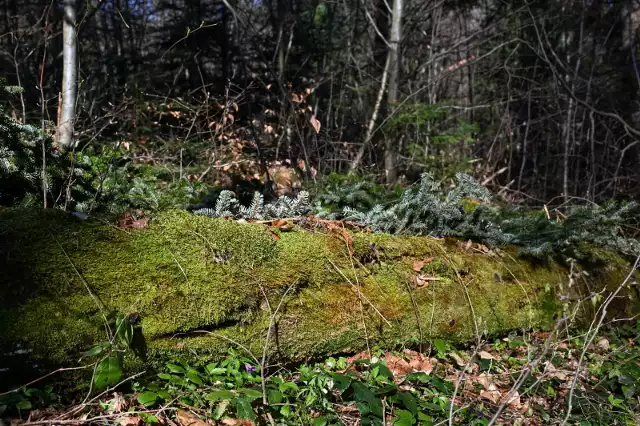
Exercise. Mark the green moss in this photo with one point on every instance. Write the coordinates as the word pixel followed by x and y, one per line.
pixel 184 274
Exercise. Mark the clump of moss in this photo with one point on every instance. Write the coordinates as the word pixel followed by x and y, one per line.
pixel 193 280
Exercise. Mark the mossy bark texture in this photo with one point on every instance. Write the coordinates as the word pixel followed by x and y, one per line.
pixel 201 286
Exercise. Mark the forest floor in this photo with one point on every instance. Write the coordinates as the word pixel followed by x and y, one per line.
pixel 530 379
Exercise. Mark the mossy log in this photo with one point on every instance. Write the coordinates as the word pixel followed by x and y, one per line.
pixel 198 284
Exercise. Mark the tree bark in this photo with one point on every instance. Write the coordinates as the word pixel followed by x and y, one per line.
pixel 391 148
pixel 69 74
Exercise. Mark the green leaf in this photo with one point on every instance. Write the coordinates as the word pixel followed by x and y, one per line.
pixel 320 421
pixel 341 382
pixel 213 370
pixel 108 372
pixel 164 394
pixel 165 376
pixel 177 380
pixel 147 398
pixel 383 370
pixel 251 394
pixel 194 377
pixel 24 404
pixel 285 410
pixel 515 343
pixel 628 391
pixel 409 401
pixel 175 368
pixel 440 345
pixel 244 409
pixel 221 395
pixel 124 330
pixel 95 350
pixel 404 418
pixel 365 396
pixel 287 386
pixel 274 396
pixel 154 387
pixel 220 409
pixel 420 377
pixel 148 418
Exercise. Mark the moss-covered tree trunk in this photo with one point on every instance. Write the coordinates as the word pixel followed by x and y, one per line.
pixel 192 280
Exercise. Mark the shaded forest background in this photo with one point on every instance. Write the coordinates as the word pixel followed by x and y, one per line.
pixel 539 100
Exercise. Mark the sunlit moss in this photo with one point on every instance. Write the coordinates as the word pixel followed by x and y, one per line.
pixel 194 279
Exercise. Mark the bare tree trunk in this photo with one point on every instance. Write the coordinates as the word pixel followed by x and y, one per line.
pixel 391 148
pixel 372 122
pixel 69 74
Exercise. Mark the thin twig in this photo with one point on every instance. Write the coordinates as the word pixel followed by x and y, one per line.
pixel 356 288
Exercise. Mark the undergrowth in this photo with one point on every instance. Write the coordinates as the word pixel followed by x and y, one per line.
pixel 393 388
pixel 466 212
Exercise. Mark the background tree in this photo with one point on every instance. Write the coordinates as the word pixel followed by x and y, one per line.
pixel 539 100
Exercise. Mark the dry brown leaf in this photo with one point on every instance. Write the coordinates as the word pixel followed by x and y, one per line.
pixel 421 364
pixel 397 365
pixel 603 344
pixel 131 219
pixel 275 236
pixel 424 280
pixel 286 227
pixel 486 381
pixel 458 359
pixel 513 401
pixel 491 395
pixel 130 421
pixel 301 164
pixel 237 422
pixel 187 418
pixel 315 123
pixel 553 372
pixel 119 402
pixel 419 264
pixel 485 355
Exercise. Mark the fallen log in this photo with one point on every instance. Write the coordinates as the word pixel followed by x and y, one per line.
pixel 200 286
